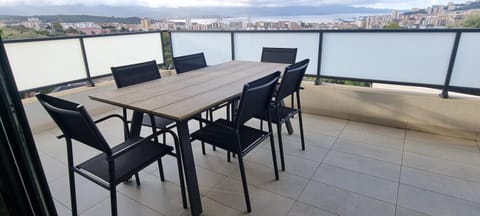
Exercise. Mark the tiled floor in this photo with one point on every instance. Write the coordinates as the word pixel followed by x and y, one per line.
pixel 348 168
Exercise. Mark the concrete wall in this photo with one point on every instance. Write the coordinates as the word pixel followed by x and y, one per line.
pixel 39 119
pixel 457 117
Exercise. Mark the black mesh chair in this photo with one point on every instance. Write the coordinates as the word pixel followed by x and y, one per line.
pixel 279 55
pixel 189 62
pixel 113 165
pixel 234 136
pixel 128 75
pixel 192 62
pixel 290 85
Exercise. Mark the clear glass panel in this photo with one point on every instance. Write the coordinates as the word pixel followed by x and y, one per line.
pixel 41 63
pixel 215 46
pixel 402 57
pixel 248 45
pixel 465 72
pixel 110 51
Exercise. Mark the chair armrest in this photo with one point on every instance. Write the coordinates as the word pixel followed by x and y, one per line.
pixel 214 123
pixel 134 145
pixel 110 116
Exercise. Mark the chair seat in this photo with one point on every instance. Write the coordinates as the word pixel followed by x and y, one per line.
pixel 285 113
pixel 160 122
pixel 129 163
pixel 225 139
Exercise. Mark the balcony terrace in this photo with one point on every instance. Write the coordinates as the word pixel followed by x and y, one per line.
pixel 368 151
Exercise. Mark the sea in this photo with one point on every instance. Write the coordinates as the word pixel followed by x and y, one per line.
pixel 327 18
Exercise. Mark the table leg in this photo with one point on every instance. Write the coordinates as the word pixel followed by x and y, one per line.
pixel 136 126
pixel 189 168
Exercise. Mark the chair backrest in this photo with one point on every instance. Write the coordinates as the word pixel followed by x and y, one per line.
pixel 279 55
pixel 189 62
pixel 256 98
pixel 74 121
pixel 135 73
pixel 291 79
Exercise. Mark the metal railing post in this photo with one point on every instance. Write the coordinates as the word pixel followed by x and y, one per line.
pixel 90 82
pixel 319 62
pixel 232 41
pixel 453 56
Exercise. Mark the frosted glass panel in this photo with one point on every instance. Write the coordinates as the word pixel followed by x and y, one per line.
pixel 466 72
pixel 112 51
pixel 215 46
pixel 248 46
pixel 402 57
pixel 42 63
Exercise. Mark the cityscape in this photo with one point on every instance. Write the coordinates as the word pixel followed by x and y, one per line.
pixel 451 15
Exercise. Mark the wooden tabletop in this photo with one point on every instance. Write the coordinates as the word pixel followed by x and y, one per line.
pixel 180 97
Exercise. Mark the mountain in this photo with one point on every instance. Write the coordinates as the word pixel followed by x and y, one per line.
pixel 135 11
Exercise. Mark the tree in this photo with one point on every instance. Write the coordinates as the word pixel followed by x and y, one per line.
pixel 472 21
pixel 392 25
pixel 58 28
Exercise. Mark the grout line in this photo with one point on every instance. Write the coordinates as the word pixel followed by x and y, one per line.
pixel 450 176
pixel 357 193
pixel 355 171
pixel 401 168
pixel 138 202
pixel 444 194
pixel 321 162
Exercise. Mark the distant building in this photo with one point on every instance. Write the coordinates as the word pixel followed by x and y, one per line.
pixel 91 31
pixel 34 23
pixel 235 25
pixel 145 23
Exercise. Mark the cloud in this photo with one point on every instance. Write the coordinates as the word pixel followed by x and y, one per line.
pixel 405 4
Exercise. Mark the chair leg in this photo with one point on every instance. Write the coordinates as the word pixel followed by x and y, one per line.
pixel 300 122
pixel 261 125
pixel 201 126
pixel 73 197
pixel 274 156
pixel 280 145
pixel 113 200
pixel 160 169
pixel 137 179
pixel 214 148
pixel 228 156
pixel 244 183
pixel 164 138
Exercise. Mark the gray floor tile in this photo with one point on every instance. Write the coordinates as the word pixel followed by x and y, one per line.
pixel 408 212
pixel 125 206
pixel 364 165
pixel 467 153
pixel 53 168
pixel 356 182
pixel 300 209
pixel 206 178
pixel 213 208
pixel 319 124
pixel 372 129
pixel 435 203
pixel 61 209
pixel 442 184
pixel 444 167
pixel 163 197
pixel 263 177
pixel 230 193
pixel 344 202
pixel 311 152
pixel 367 150
pixel 293 165
pixel 88 193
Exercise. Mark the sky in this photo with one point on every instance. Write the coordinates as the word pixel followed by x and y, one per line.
pixel 390 4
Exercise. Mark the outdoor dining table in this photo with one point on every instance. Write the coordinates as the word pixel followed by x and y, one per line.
pixel 181 97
